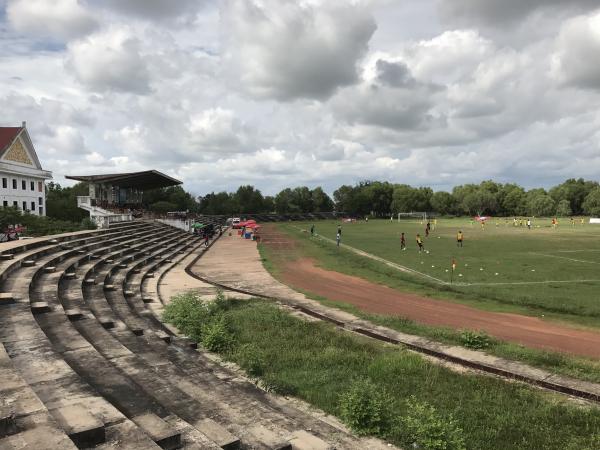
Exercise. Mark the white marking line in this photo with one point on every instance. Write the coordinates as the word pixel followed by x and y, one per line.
pixel 437 280
pixel 564 257
pixel 384 261
pixel 575 251
pixel 528 282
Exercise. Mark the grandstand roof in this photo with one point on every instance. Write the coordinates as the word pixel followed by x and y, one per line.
pixel 148 179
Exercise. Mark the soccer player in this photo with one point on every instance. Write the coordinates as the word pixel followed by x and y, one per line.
pixel 402 242
pixel 427 230
pixel 339 231
pixel 529 224
pixel 338 237
pixel 420 243
pixel 459 239
pixel 312 230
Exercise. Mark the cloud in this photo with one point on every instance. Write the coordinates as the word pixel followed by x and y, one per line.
pixel 58 19
pixel 393 99
pixel 110 60
pixel 578 46
pixel 217 130
pixel 287 50
pixel 499 13
pixel 158 10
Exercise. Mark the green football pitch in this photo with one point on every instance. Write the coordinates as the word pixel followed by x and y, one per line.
pixel 546 268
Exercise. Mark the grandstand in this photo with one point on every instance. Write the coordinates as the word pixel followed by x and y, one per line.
pixel 86 361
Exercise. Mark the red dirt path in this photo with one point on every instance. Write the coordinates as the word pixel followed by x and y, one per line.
pixel 373 298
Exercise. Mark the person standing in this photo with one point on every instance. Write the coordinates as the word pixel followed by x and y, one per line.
pixel 529 224
pixel 459 239
pixel 312 229
pixel 402 242
pixel 339 230
pixel 338 238
pixel 420 243
pixel 427 230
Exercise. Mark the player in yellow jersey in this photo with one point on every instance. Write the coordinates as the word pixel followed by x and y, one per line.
pixel 420 243
pixel 459 239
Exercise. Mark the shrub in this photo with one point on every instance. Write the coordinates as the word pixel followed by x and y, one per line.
pixel 88 224
pixel 251 359
pixel 216 336
pixel 475 340
pixel 424 428
pixel 188 313
pixel 364 408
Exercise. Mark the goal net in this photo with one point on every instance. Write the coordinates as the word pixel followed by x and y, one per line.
pixel 412 216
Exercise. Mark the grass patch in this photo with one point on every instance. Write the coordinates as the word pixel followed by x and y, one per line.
pixel 387 391
pixel 586 369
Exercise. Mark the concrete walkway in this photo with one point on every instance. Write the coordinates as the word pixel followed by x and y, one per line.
pixel 235 263
pixel 177 281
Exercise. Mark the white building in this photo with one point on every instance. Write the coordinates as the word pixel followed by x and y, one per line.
pixel 21 174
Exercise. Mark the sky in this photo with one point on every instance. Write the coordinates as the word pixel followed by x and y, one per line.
pixel 282 93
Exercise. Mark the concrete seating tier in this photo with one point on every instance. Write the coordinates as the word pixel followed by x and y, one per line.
pixel 90 364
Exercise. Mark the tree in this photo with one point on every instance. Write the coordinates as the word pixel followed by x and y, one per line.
pixel 176 195
pixel 344 198
pixel 248 200
pixel 269 204
pixel 442 202
pixel 380 197
pixel 460 192
pixel 220 203
pixel 283 202
pixel 541 204
pixel 163 207
pixel 480 202
pixel 321 201
pixel 302 199
pixel 61 203
pixel 574 191
pixel 563 208
pixel 591 204
pixel 512 200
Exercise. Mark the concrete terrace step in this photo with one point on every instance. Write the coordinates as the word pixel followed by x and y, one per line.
pixel 7 298
pixel 84 429
pixel 150 378
pixel 163 434
pixel 217 434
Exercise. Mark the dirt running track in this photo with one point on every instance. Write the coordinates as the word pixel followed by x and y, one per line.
pixel 373 298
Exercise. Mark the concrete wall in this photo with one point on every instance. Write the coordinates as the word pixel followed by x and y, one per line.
pixel 35 199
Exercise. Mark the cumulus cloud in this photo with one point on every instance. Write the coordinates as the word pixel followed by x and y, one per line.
pixel 59 19
pixel 217 130
pixel 211 94
pixel 287 50
pixel 578 46
pixel 110 60
pixel 448 57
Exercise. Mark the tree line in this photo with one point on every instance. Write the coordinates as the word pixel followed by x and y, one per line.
pixel 382 199
pixel 378 198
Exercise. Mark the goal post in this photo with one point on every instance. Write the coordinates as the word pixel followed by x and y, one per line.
pixel 415 216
